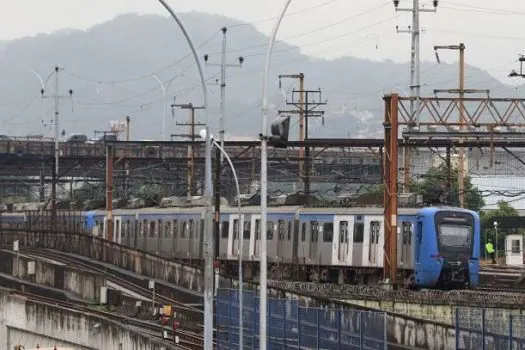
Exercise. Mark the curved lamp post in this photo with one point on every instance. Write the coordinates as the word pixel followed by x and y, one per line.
pixel 264 186
pixel 208 243
pixel 163 106
pixel 240 233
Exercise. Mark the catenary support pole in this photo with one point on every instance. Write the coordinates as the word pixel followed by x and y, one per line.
pixel 264 190
pixel 208 244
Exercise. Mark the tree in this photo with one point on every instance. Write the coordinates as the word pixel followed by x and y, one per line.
pixel 151 194
pixel 433 187
pixel 89 191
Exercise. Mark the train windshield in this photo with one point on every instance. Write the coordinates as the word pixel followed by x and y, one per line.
pixel 455 236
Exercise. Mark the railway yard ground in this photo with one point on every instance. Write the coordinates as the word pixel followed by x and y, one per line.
pixel 72 280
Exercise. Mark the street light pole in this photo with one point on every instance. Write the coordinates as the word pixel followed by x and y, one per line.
pixel 163 106
pixel 264 186
pixel 240 231
pixel 208 244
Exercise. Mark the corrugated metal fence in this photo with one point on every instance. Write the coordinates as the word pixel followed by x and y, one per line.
pixel 291 326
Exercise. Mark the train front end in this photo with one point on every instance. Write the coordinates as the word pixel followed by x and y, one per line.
pixel 447 249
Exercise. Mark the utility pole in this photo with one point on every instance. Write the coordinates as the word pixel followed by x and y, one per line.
pixel 109 190
pixel 219 157
pixel 299 76
pixel 308 108
pixel 56 123
pixel 191 149
pixel 415 69
pixel 461 91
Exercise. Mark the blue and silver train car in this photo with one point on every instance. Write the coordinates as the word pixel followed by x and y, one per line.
pixel 438 247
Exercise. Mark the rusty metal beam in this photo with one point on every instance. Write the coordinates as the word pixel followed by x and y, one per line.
pixel 390 187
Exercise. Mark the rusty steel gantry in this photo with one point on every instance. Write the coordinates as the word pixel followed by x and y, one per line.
pixel 439 115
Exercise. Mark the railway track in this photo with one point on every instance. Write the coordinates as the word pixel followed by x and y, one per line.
pixel 191 329
pixel 187 340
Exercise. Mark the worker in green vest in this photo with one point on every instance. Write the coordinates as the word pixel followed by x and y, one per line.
pixel 490 249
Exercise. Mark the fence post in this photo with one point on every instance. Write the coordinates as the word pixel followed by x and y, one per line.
pixel 318 333
pixel 360 330
pixel 230 335
pixel 483 327
pixel 284 302
pixel 510 331
pixel 457 328
pixel 298 326
pixel 385 329
pixel 339 315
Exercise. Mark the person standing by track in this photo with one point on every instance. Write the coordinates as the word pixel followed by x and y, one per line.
pixel 490 250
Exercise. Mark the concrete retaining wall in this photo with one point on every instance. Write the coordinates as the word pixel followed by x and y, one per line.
pixel 31 323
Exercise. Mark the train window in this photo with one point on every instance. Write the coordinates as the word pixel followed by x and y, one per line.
pixel 303 232
pixel 235 228
pixel 144 228
pixel 343 231
pixel 269 231
pixel 167 229
pixel 225 227
pixel 191 228
pixel 258 229
pixel 407 232
pixel 247 229
pixel 328 232
pixel 175 228
pixel 281 228
pixel 289 230
pixel 158 233
pixel 151 231
pixel 314 231
pixel 359 232
pixel 183 229
pixel 515 246
pixel 126 233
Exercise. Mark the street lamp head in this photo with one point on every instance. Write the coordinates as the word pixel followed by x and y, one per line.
pixel 202 134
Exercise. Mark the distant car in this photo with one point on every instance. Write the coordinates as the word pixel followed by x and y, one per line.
pixel 77 138
pixel 4 138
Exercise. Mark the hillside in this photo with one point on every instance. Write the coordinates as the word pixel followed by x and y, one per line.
pixel 103 66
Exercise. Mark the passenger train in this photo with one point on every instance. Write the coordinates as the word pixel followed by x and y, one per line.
pixel 438 247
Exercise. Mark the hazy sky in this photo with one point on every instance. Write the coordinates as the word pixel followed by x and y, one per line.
pixel 493 32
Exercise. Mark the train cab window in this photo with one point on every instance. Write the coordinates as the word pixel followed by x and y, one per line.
pixel 235 228
pixel 246 230
pixel 359 231
pixel 407 232
pixel 343 231
pixel 269 231
pixel 303 232
pixel 258 229
pixel 289 230
pixel 225 227
pixel 191 227
pixel 314 231
pixel 281 228
pixel 167 229
pixel 175 228
pixel 515 246
pixel 328 232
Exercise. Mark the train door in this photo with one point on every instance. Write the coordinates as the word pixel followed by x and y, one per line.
pixel 343 232
pixel 314 238
pixel 405 238
pixel 255 237
pixel 234 234
pixel 373 229
pixel 117 229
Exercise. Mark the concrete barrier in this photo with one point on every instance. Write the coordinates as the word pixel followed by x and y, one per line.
pixel 31 324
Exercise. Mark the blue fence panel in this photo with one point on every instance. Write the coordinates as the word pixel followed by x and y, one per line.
pixel 290 326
